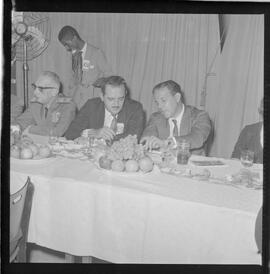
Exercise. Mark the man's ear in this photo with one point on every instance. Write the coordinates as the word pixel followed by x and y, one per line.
pixel 54 92
pixel 101 96
pixel 177 97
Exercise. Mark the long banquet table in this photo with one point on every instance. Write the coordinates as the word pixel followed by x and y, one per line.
pixel 139 218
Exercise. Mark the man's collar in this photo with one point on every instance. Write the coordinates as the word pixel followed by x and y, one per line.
pixel 180 114
pixel 83 50
pixel 51 103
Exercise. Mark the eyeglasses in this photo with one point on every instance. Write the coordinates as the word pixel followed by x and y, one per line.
pixel 41 89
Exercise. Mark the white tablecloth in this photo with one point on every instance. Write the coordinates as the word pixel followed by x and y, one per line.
pixel 136 218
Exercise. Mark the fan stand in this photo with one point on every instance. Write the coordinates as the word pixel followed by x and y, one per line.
pixel 21 30
pixel 25 75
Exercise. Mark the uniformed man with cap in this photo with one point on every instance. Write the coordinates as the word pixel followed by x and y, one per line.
pixel 49 111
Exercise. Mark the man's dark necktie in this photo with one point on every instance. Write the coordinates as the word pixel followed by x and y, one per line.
pixel 175 129
pixel 77 66
pixel 114 124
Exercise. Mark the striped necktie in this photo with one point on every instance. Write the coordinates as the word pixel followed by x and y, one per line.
pixel 175 128
pixel 77 66
pixel 114 123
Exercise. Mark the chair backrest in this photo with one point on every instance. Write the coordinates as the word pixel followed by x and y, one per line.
pixel 17 201
pixel 25 222
pixel 258 230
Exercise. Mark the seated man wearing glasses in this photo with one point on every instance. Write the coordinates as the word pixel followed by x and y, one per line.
pixel 110 117
pixel 49 111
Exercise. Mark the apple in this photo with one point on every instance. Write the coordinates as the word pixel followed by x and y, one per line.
pixel 132 166
pixel 118 165
pixel 34 148
pixel 105 162
pixel 146 164
pixel 15 151
pixel 44 151
pixel 26 153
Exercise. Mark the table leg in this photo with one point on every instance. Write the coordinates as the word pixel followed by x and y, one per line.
pixel 87 260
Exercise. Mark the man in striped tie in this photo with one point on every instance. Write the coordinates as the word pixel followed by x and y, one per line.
pixel 89 63
pixel 175 121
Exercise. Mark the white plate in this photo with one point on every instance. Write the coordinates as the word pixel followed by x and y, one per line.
pixel 32 161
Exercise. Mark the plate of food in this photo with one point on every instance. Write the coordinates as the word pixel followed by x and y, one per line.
pixel 24 150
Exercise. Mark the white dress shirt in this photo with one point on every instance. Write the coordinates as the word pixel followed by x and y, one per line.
pixel 108 118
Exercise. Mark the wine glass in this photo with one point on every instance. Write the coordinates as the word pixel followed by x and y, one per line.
pixel 52 137
pixel 90 145
pixel 247 158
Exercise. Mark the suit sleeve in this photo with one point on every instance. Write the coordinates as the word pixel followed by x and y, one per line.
pixel 151 128
pixel 80 123
pixel 240 144
pixel 103 64
pixel 25 119
pixel 200 130
pixel 135 123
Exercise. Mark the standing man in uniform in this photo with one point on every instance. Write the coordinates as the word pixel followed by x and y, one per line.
pixel 88 64
pixel 49 111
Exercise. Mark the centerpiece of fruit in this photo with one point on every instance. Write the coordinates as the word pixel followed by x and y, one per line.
pixel 23 147
pixel 126 155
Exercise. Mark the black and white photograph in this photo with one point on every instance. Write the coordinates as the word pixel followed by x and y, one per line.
pixel 136 138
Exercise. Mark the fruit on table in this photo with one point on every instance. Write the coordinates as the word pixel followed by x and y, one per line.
pixel 118 165
pixel 132 166
pixel 15 151
pixel 44 151
pixel 26 153
pixel 146 164
pixel 126 149
pixel 35 149
pixel 105 162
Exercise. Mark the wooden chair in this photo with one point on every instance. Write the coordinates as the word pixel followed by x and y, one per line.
pixel 20 209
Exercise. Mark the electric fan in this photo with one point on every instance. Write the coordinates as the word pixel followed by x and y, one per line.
pixel 31 36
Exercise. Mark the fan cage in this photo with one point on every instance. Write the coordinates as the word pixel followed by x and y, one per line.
pixel 34 48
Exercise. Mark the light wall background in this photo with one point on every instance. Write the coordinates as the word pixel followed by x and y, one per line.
pixel 147 49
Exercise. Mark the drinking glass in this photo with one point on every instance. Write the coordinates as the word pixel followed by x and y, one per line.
pixel 247 158
pixel 183 152
pixel 52 137
pixel 90 145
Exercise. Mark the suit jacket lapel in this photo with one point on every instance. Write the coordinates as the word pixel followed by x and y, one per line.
pixel 98 117
pixel 37 111
pixel 122 116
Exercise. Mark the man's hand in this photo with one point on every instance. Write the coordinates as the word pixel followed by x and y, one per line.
pixel 104 133
pixel 152 142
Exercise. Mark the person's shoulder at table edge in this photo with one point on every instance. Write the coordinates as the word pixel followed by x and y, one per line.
pixel 253 128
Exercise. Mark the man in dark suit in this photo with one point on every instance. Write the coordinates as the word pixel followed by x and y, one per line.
pixel 89 63
pixel 175 121
pixel 251 138
pixel 111 117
